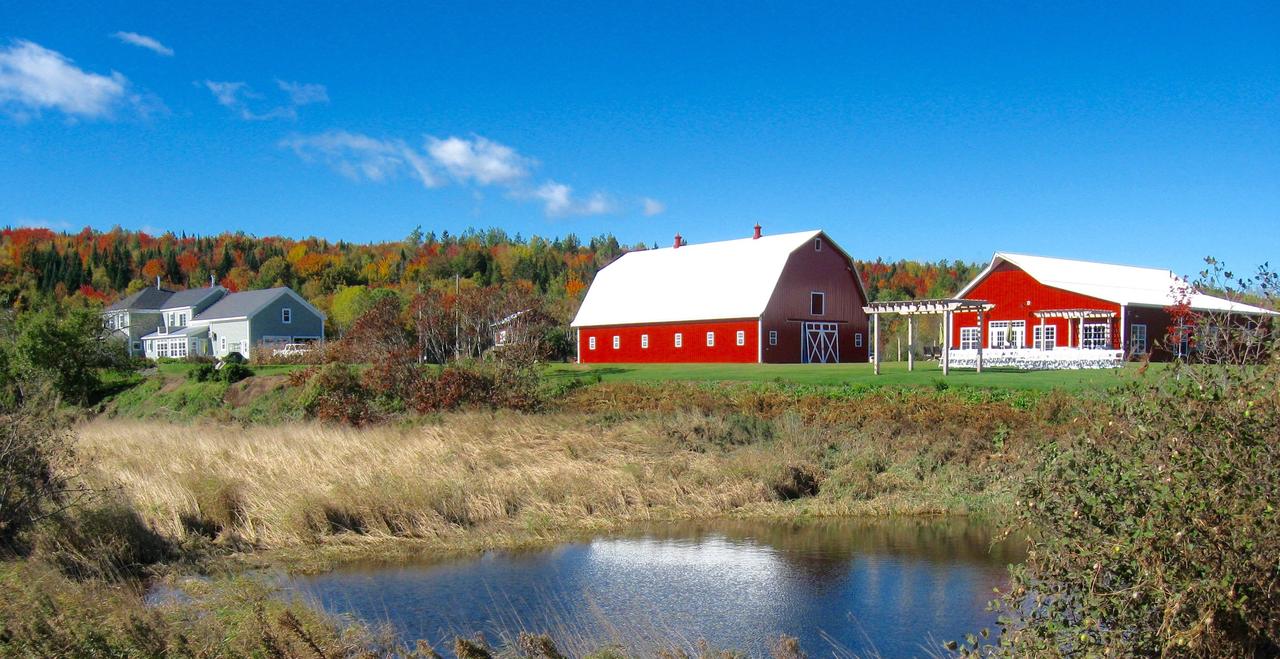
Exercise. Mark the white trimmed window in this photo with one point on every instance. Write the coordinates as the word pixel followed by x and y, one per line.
pixel 591 343
pixel 617 341
pixel 644 341
pixel 1007 334
pixel 817 303
pixel 741 338
pixel 817 244
pixel 1138 339
pixel 711 339
pixel 773 337
pixel 857 339
pixel 1047 342
pixel 1095 336
pixel 679 340
pixel 970 338
pixel 286 315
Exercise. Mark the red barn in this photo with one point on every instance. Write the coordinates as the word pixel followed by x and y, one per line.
pixel 1073 306
pixel 790 298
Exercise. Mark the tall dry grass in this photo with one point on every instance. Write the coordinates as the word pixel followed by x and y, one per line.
pixel 276 486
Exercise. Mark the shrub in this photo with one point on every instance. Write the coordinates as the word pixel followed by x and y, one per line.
pixel 36 456
pixel 335 393
pixel 452 388
pixel 1157 532
pixel 202 373
pixel 233 372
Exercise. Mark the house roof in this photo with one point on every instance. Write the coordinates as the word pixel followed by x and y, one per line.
pixel 191 297
pixel 150 297
pixel 708 281
pixel 176 333
pixel 1120 284
pixel 248 303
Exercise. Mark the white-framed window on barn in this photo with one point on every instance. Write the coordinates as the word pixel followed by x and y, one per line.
pixel 817 303
pixel 1138 339
pixel 1007 334
pixel 741 338
pixel 591 343
pixel 679 339
pixel 286 315
pixel 1049 340
pixel 1095 336
pixel 644 341
pixel 857 339
pixel 617 341
pixel 970 338
pixel 773 337
pixel 817 244
pixel 711 339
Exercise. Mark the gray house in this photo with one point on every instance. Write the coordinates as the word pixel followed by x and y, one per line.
pixel 213 322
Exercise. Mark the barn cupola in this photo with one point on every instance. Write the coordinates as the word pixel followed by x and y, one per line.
pixel 755 235
pixel 679 241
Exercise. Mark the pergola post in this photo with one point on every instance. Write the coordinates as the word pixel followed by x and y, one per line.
pixel 946 342
pixel 982 336
pixel 1043 340
pixel 1070 327
pixel 875 342
pixel 911 343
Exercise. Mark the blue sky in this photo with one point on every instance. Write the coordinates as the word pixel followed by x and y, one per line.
pixel 1141 133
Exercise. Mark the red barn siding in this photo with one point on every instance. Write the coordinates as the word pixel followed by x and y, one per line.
pixel 662 343
pixel 1016 295
pixel 809 270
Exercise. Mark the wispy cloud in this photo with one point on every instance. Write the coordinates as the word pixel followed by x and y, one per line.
pixel 360 157
pixel 474 161
pixel 37 223
pixel 143 41
pixel 302 93
pixel 34 78
pixel 240 98
pixel 653 207
pixel 481 160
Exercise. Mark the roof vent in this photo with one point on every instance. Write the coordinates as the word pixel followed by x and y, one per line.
pixel 679 241
pixel 756 235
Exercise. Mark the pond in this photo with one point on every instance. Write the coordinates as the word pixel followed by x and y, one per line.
pixel 890 587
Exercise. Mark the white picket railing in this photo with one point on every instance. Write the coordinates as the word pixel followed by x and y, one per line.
pixel 1031 359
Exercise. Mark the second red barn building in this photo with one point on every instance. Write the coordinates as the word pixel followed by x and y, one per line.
pixel 789 298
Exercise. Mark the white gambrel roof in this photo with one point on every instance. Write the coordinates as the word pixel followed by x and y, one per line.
pixel 707 281
pixel 1121 284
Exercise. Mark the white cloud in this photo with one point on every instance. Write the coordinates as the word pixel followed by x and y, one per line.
pixel 360 157
pixel 240 98
pixel 34 223
pixel 478 159
pixel 34 78
pixel 303 93
pixel 653 207
pixel 558 201
pixel 143 41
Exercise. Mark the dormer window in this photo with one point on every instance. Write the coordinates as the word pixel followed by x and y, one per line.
pixel 286 315
pixel 817 244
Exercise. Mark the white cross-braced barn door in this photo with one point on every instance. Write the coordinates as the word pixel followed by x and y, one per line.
pixel 821 343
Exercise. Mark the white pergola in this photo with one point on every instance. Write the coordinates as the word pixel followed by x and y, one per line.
pixel 944 307
pixel 1078 315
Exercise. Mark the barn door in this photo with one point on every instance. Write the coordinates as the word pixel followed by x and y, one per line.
pixel 821 343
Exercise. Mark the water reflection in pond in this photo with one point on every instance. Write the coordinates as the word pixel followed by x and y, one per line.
pixel 895 587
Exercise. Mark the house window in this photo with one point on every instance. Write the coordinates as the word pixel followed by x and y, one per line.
pixel 286 315
pixel 741 338
pixel 224 343
pixel 970 338
pixel 617 341
pixel 1095 336
pixel 817 244
pixel 1048 341
pixel 182 319
pixel 817 303
pixel 591 343
pixel 773 337
pixel 137 345
pixel 857 339
pixel 679 340
pixel 644 341
pixel 1138 339
pixel 1007 334
pixel 711 339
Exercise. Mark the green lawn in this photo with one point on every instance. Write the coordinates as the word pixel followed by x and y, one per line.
pixel 895 374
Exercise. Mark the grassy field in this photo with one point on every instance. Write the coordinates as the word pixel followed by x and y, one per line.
pixel 892 374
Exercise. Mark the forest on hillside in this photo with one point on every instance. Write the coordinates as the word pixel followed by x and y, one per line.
pixel 40 267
